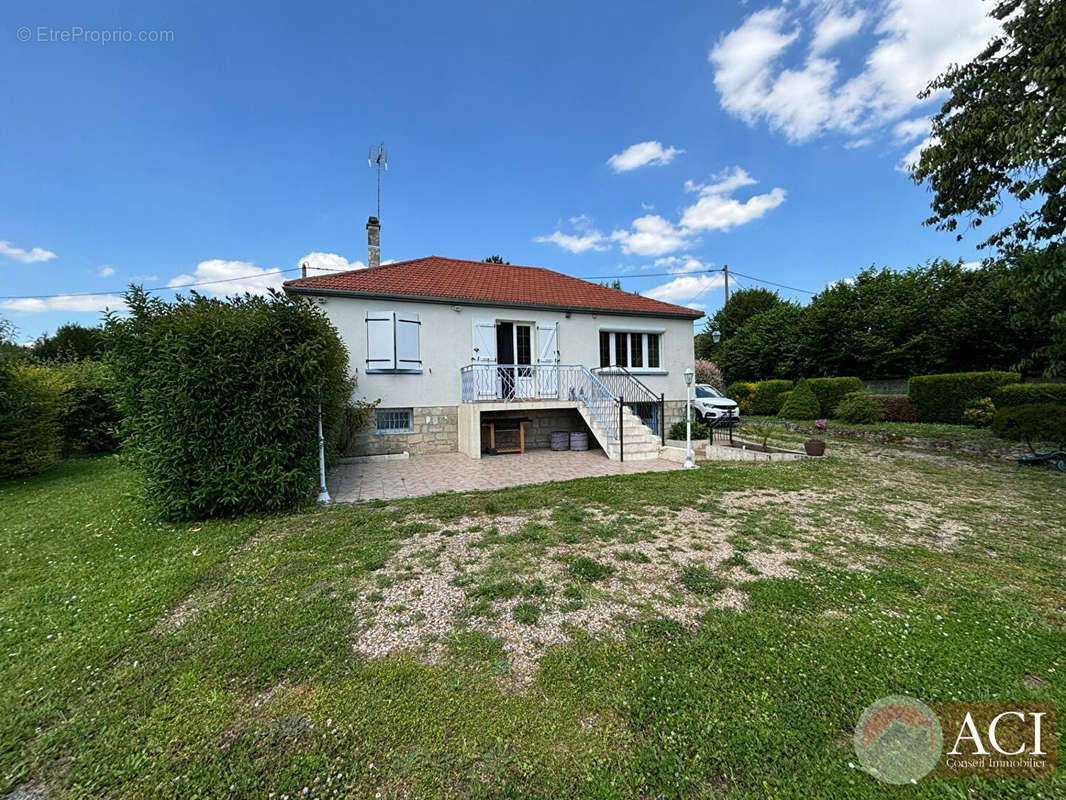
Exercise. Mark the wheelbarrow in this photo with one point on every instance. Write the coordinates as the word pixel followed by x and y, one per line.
pixel 1049 457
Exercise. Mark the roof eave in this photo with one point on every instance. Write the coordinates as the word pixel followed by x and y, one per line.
pixel 692 314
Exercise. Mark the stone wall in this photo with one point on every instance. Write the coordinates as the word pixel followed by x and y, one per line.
pixel 542 423
pixel 674 411
pixel 434 430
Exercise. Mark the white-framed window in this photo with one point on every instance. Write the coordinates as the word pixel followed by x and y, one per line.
pixel 638 350
pixel 394 420
pixel 392 342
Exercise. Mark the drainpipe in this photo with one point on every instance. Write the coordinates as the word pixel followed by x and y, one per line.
pixel 323 495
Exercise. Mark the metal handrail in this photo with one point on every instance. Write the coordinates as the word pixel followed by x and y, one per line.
pixel 630 389
pixel 491 382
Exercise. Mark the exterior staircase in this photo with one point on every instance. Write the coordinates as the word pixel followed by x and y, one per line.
pixel 638 443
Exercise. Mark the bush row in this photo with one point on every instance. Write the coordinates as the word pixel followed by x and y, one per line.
pixel 1018 394
pixel 52 410
pixel 1034 423
pixel 944 398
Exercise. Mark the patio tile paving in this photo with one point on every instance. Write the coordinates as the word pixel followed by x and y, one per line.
pixel 447 472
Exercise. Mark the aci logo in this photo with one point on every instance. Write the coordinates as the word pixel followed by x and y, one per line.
pixel 900 739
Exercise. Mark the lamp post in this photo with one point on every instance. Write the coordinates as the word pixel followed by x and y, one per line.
pixel 323 495
pixel 716 337
pixel 690 459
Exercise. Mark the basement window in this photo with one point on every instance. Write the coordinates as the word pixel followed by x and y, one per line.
pixel 394 420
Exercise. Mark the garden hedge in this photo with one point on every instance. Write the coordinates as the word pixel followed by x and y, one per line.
pixel 830 391
pixel 766 400
pixel 943 398
pixel 741 392
pixel 91 420
pixel 1033 423
pixel 861 407
pixel 898 408
pixel 31 405
pixel 800 402
pixel 221 400
pixel 1018 394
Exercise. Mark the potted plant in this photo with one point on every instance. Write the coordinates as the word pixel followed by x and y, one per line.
pixel 816 447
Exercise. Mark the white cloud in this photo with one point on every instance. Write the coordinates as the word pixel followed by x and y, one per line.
pixel 678 265
pixel 647 206
pixel 651 235
pixel 854 144
pixel 911 159
pixel 642 154
pixel 718 210
pixel 93 302
pixel 586 238
pixel 909 129
pixel 105 271
pixel 320 263
pixel 685 289
pixel 914 41
pixel 970 266
pixel 25 256
pixel 230 277
pixel 834 28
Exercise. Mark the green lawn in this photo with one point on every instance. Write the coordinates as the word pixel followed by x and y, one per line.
pixel 711 633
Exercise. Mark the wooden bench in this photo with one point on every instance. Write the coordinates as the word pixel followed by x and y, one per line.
pixel 515 426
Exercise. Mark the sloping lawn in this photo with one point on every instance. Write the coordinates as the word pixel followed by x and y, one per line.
pixel 712 633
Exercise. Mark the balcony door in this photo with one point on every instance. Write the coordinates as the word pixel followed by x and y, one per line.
pixel 514 354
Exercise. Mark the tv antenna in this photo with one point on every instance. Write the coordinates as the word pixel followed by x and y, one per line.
pixel 380 161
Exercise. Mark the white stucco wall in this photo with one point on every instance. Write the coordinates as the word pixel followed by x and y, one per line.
pixel 447 345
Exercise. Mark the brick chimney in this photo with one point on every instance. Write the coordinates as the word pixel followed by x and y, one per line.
pixel 373 242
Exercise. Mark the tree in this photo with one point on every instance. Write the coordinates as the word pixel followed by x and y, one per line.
pixel 496 260
pixel 1039 289
pixel 615 284
pixel 769 345
pixel 1000 131
pixel 70 342
pixel 743 304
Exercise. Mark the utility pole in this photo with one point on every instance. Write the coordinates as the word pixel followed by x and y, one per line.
pixel 725 271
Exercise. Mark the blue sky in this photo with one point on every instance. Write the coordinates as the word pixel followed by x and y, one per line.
pixel 596 139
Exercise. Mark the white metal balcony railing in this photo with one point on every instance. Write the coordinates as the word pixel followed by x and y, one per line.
pixel 515 383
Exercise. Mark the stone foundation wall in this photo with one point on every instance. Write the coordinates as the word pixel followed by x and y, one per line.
pixel 674 411
pixel 543 422
pixel 434 430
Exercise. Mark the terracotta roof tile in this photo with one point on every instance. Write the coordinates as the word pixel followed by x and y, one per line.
pixel 455 279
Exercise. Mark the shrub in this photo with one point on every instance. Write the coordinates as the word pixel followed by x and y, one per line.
pixel 1033 423
pixel 979 413
pixel 221 400
pixel 741 392
pixel 861 407
pixel 801 402
pixel 766 399
pixel 1018 394
pixel 898 408
pixel 830 391
pixel 943 398
pixel 708 372
pixel 32 404
pixel 91 420
pixel 700 430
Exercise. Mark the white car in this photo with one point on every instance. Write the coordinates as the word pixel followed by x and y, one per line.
pixel 710 404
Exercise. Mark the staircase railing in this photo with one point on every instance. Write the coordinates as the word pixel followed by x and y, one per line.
pixel 626 386
pixel 516 383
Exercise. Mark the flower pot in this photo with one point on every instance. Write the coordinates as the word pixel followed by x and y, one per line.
pixel 814 447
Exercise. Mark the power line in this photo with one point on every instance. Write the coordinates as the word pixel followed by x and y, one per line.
pixel 771 283
pixel 155 289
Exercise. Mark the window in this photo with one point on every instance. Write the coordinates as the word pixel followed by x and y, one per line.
pixel 703 390
pixel 523 345
pixel 630 349
pixel 636 349
pixel 392 342
pixel 653 350
pixel 394 420
pixel 605 349
pixel 621 352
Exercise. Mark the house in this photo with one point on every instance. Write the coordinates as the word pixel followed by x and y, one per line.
pixel 449 345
